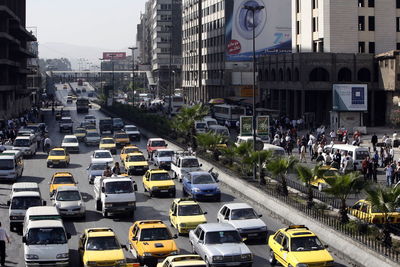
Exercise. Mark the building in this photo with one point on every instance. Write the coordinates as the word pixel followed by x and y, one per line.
pixel 15 96
pixel 160 42
pixel 343 26
pixel 34 78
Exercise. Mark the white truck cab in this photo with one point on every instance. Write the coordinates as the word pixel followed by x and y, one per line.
pixel 24 186
pixel 184 162
pixel 11 167
pixel 26 144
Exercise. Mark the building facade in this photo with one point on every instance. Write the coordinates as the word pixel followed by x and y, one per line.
pixel 343 26
pixel 15 97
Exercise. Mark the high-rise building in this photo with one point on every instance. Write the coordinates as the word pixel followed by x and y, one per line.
pixel 15 96
pixel 343 26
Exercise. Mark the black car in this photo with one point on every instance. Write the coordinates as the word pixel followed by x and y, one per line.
pixel 118 123
pixel 106 125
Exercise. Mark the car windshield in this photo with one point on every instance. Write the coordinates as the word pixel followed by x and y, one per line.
pixel 153 234
pixel 189 210
pixel 361 155
pixel 102 243
pixel 44 236
pixel 89 117
pixel 221 237
pixel 80 131
pixel 305 243
pixel 71 195
pixel 131 128
pixel 98 167
pixel 23 203
pixel 137 158
pixel 6 164
pixel 118 121
pixel 92 134
pixel 121 136
pixel 70 140
pixel 107 141
pixel 243 214
pixel 209 123
pixel 131 150
pixel 330 173
pixel 190 163
pixel 203 179
pixel 64 180
pixel 57 152
pixel 21 142
pixel 200 125
pixel 66 121
pixel 160 176
pixel 102 155
pixel 157 143
pixel 165 153
pixel 119 187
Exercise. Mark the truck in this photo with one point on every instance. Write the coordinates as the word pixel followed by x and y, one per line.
pixel 184 162
pixel 82 105
pixel 115 194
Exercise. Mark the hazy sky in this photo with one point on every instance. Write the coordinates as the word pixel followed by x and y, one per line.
pixel 98 23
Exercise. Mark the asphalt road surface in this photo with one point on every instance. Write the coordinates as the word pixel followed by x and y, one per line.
pixel 147 208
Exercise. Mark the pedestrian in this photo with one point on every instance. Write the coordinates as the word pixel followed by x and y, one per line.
pixel 374 141
pixel 328 159
pixel 389 174
pixel 365 165
pixel 116 169
pixel 107 172
pixel 320 158
pixel 47 144
pixel 310 144
pixel 3 237
pixel 303 153
pixel 375 171
pixel 333 135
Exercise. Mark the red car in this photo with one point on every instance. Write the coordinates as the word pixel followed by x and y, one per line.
pixel 153 144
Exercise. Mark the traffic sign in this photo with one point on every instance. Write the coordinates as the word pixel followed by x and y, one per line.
pixel 246 125
pixel 262 125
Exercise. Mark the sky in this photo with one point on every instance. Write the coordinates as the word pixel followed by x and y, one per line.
pixel 109 24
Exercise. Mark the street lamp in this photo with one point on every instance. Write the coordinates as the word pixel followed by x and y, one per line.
pixel 133 74
pixel 101 75
pixel 254 9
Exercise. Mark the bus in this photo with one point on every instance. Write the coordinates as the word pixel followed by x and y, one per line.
pixel 176 103
pixel 230 114
pixel 82 105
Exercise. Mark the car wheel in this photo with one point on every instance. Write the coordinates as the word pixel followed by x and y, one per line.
pixel 184 192
pixel 272 259
pixel 208 264
pixel 104 213
pixel 193 250
pixel 144 189
pixel 98 205
pixel 48 165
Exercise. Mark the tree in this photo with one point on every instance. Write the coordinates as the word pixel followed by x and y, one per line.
pixel 307 176
pixel 280 167
pixel 385 200
pixel 260 158
pixel 341 186
pixel 210 141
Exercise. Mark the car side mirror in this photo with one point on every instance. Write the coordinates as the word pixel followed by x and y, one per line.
pixel 200 164
pixel 44 202
pixel 124 247
pixel 173 214
pixel 24 239
pixel 135 187
pixel 134 238
pixel 175 236
pixel 8 203
pixel 259 215
pixel 326 246
pixel 103 190
pixel 205 212
pixel 68 236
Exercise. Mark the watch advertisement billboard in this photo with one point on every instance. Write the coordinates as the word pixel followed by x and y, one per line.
pixel 350 97
pixel 273 30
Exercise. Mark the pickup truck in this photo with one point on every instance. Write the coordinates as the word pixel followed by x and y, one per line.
pixel 115 194
pixel 66 124
pixel 106 125
pixel 184 162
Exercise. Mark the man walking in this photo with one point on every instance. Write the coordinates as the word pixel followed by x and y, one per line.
pixel 3 238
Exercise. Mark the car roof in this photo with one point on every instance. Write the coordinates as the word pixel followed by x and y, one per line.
pixel 158 171
pixel 297 231
pixel 104 138
pixel 99 231
pixel 43 210
pixel 26 194
pixel 70 136
pixel 165 149
pixel 151 224
pixel 68 188
pixel 45 224
pixel 197 173
pixel 129 146
pixel 130 125
pixel 25 185
pixel 238 206
pixel 217 127
pixel 62 174
pixel 102 150
pixel 156 139
pixel 185 201
pixel 183 260
pixel 212 227
pixel 7 156
pixel 65 118
pixel 24 137
pixel 58 148
pixel 136 153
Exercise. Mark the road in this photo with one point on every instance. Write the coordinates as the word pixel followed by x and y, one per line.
pixel 147 208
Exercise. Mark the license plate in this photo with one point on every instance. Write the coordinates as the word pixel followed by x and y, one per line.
pixel 208 195
pixel 164 191
pixel 253 234
pixel 56 162
pixel 70 213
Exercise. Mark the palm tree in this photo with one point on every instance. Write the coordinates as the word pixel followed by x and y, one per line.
pixel 280 167
pixel 307 176
pixel 341 186
pixel 229 154
pixel 210 141
pixel 385 200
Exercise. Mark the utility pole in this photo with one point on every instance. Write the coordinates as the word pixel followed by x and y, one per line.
pixel 170 71
pixel 101 75
pixel 200 18
pixel 133 74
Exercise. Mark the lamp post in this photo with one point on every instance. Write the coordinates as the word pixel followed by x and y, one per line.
pixel 253 10
pixel 101 75
pixel 133 74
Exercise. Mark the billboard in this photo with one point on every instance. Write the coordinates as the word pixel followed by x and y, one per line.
pixel 114 55
pixel 273 29
pixel 350 97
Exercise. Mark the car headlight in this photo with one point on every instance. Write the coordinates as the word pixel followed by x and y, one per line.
pixel 62 255
pixel 302 265
pixel 217 189
pixel 196 189
pixel 147 254
pixel 121 261
pixel 155 187
pixel 172 186
pixel 174 252
pixel 131 203
pixel 247 257
pixel 108 205
pixel 32 257
pixel 182 224
pixel 217 258
pixel 239 229
pixel 264 228
pixel 91 263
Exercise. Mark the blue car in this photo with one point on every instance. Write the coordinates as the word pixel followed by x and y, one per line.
pixel 95 169
pixel 201 185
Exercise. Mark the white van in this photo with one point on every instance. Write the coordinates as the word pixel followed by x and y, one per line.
pixel 219 129
pixel 46 243
pixel 24 187
pixel 357 153
pixel 200 126
pixel 277 151
pixel 210 121
pixel 11 167
pixel 26 144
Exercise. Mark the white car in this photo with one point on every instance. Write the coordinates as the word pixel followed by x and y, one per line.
pixel 245 219
pixel 102 156
pixel 132 131
pixel 163 158
pixel 92 138
pixel 70 143
pixel 68 200
pixel 90 119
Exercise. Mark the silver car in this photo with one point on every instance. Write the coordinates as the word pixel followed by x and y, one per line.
pixel 92 138
pixel 220 244
pixel 68 200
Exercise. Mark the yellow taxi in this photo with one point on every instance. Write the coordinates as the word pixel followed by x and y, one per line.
pixel 158 181
pixel 80 133
pixel 183 261
pixel 136 163
pixel 363 210
pixel 108 143
pixel 150 240
pixel 127 150
pixel 60 179
pixel 324 173
pixel 100 247
pixel 296 245
pixel 185 214
pixel 58 157
pixel 121 139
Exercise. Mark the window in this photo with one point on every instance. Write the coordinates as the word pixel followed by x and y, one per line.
pixel 398 46
pixel 361 23
pixel 298 6
pixel 314 4
pixel 297 27
pixel 371 3
pixel 314 46
pixel 397 3
pixel 398 24
pixel 314 24
pixel 371 23
pixel 361 47
pixel 360 3
pixel 371 47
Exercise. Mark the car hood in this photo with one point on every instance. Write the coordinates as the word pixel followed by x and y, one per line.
pixel 104 255
pixel 115 198
pixel 56 158
pixel 160 246
pixel 192 219
pixel 136 163
pixel 68 204
pixel 152 148
pixel 102 160
pixel 163 183
pixel 227 249
pixel 102 146
pixel 46 252
pixel 205 186
pixel 164 159
pixel 311 256
pixel 247 224
pixel 70 144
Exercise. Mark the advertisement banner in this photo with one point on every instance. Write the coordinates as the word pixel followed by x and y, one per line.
pixel 246 125
pixel 273 29
pixel 114 55
pixel 350 97
pixel 262 125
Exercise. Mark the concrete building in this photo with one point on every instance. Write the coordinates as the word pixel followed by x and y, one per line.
pixel 15 97
pixel 343 26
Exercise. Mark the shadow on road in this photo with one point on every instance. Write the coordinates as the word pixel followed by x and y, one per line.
pixel 33 179
pixel 86 196
pixel 74 166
